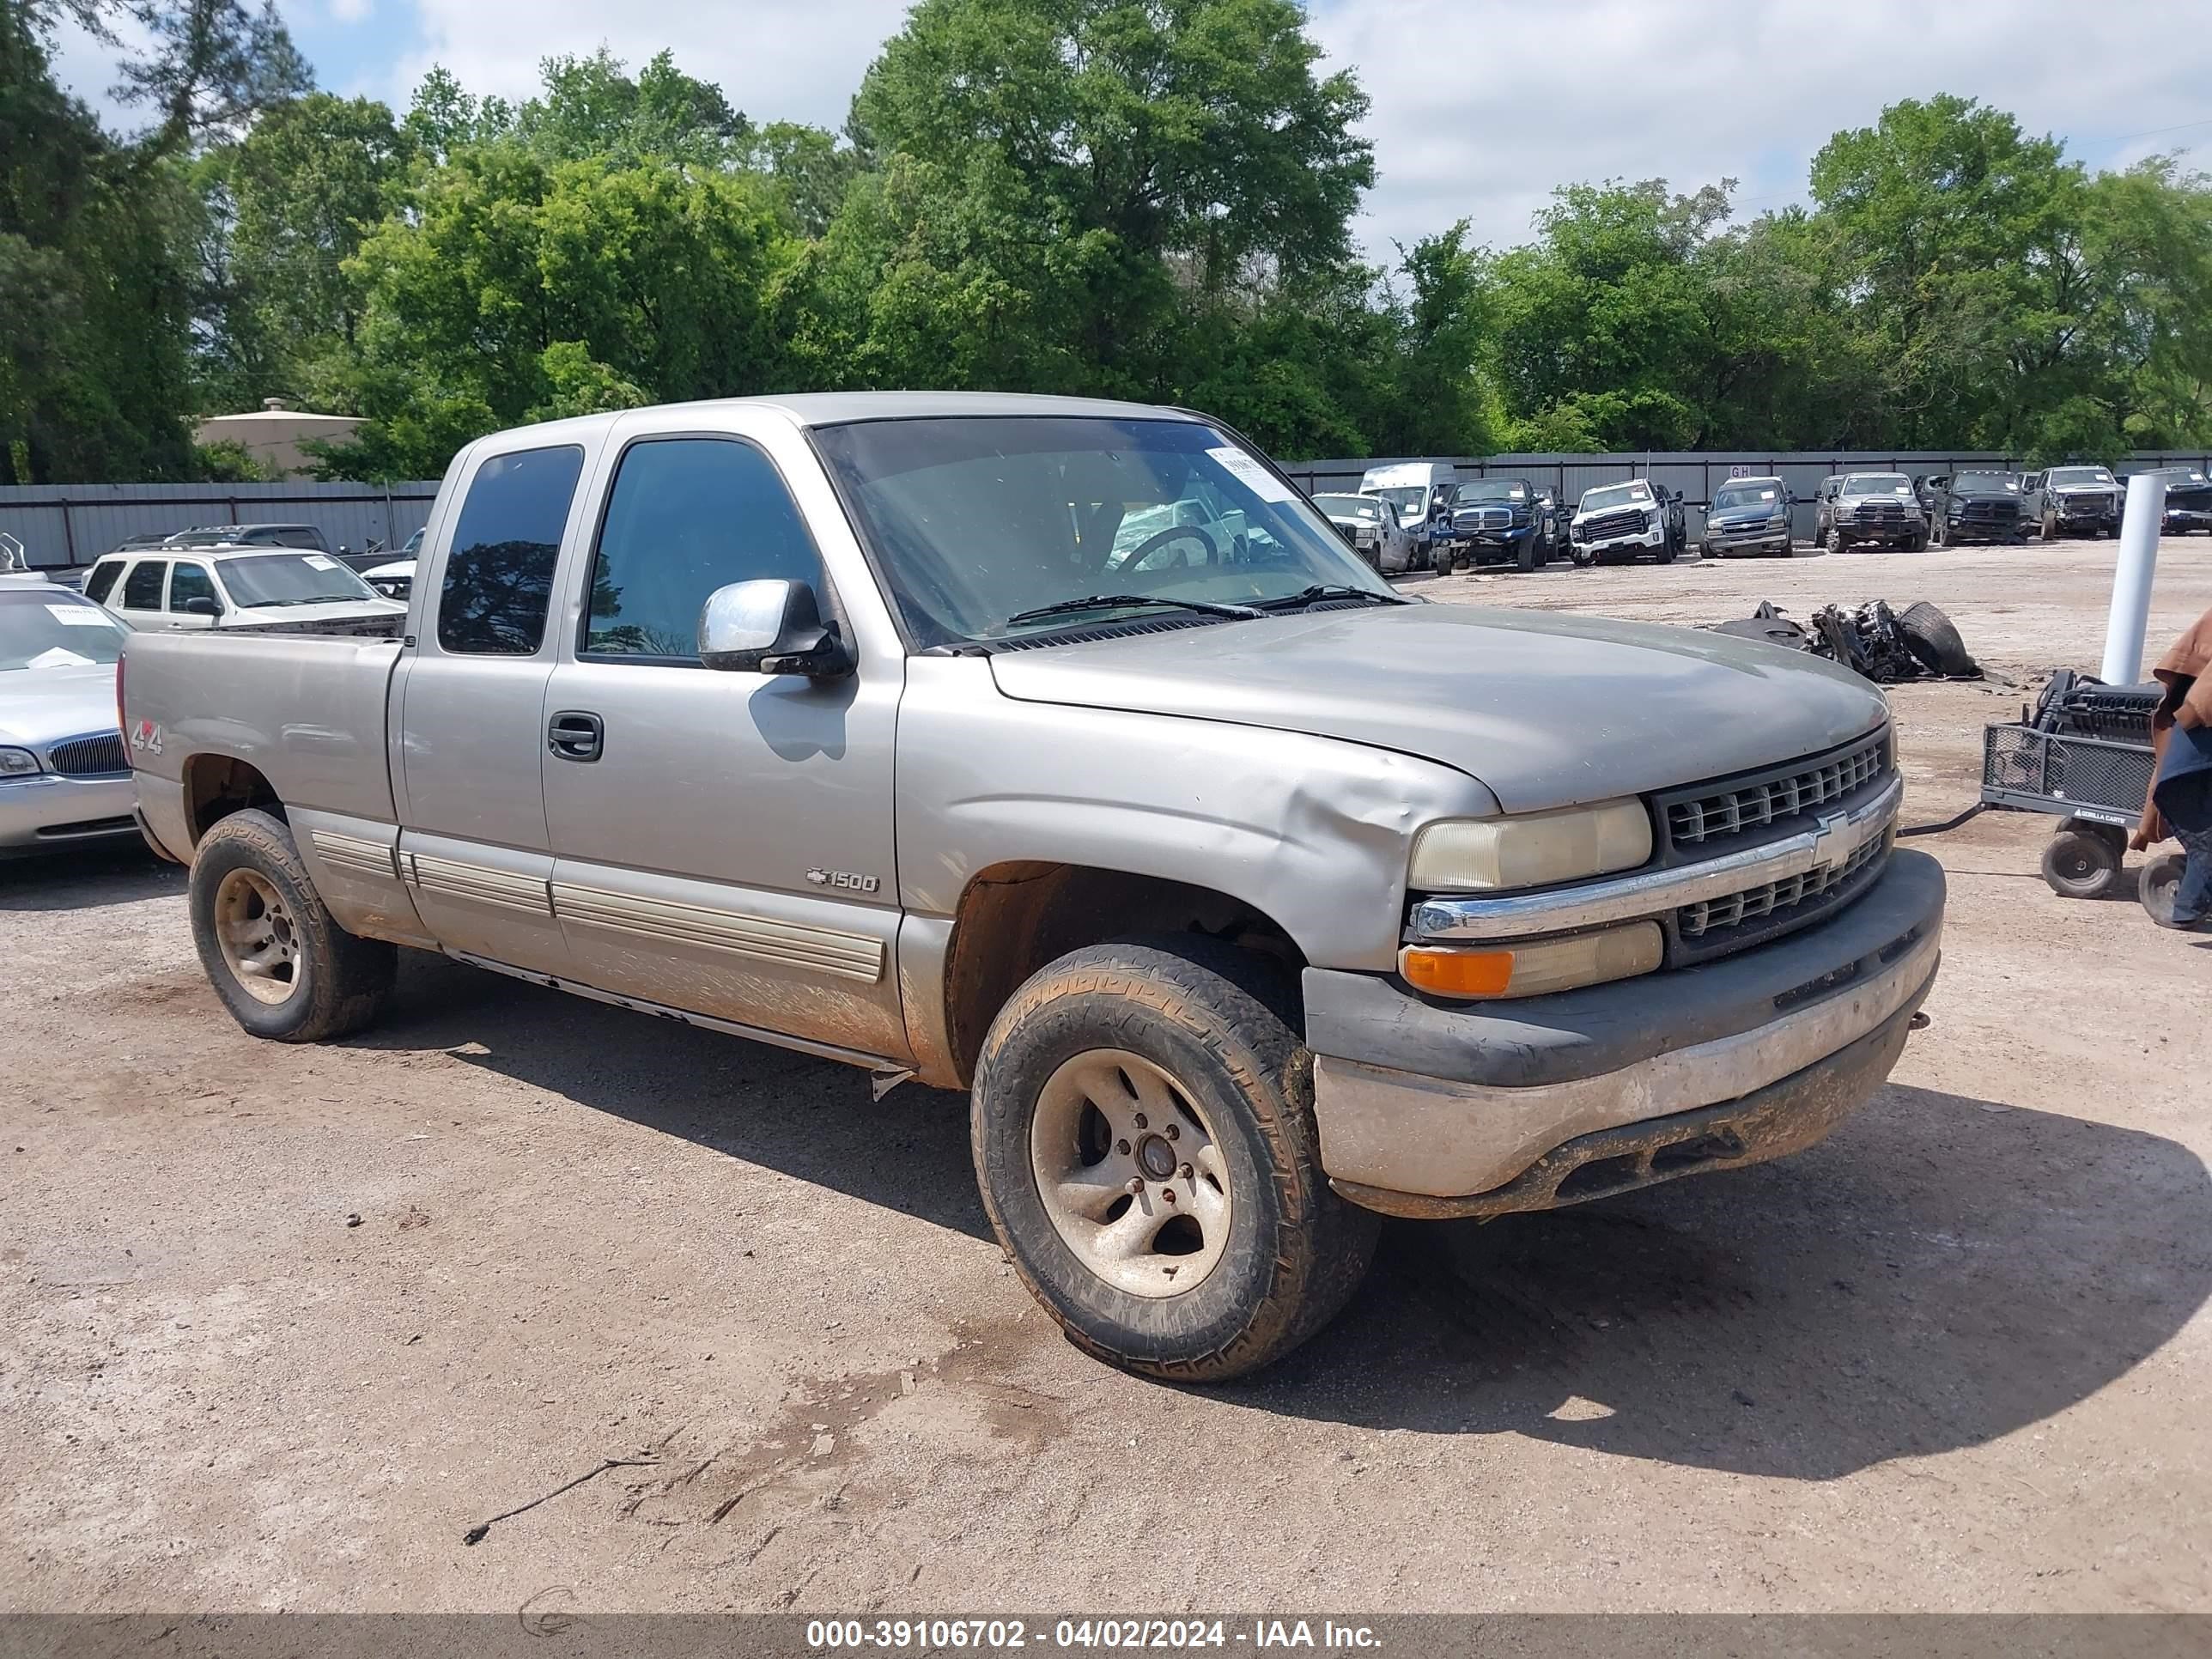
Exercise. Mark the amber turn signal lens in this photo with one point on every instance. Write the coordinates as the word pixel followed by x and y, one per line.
pixel 1457 972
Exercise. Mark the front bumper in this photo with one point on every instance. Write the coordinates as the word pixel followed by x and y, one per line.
pixel 2187 518
pixel 1643 541
pixel 1756 538
pixel 2096 514
pixel 1959 531
pixel 1480 1108
pixel 51 813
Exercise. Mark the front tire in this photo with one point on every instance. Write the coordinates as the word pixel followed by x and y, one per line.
pixel 281 966
pixel 2081 863
pixel 1143 1137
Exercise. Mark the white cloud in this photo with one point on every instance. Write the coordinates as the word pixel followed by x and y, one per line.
pixel 799 60
pixel 1481 107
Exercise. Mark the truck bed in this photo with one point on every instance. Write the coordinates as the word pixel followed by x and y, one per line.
pixel 305 709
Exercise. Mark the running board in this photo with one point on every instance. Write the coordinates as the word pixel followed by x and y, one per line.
pixel 885 1074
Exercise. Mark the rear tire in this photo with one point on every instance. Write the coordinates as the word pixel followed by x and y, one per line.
pixel 2159 885
pixel 281 966
pixel 2079 864
pixel 1168 1064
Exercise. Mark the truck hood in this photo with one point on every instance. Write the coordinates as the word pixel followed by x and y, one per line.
pixel 45 705
pixel 1547 711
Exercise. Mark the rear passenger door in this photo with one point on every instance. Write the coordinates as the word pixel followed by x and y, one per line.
pixel 470 700
pixel 141 592
pixel 722 840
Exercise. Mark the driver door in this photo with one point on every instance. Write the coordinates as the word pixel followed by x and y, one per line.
pixel 722 841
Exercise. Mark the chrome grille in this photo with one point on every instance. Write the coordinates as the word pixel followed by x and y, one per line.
pixel 89 758
pixel 1709 915
pixel 1769 801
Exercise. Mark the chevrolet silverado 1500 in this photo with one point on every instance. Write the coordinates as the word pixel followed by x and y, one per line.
pixel 1248 898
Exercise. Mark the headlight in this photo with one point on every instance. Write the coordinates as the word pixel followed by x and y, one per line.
pixel 19 763
pixel 1535 968
pixel 1466 855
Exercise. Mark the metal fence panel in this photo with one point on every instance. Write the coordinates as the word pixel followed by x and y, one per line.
pixel 63 525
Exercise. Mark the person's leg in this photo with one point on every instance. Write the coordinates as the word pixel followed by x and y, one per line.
pixel 2192 900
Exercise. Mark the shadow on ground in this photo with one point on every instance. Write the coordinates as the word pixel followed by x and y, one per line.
pixel 1943 1271
pixel 86 880
pixel 812 1119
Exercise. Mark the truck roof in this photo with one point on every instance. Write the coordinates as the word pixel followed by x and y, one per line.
pixel 810 409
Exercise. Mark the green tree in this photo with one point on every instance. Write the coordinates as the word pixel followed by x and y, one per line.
pixel 512 287
pixel 99 236
pixel 1090 171
pixel 293 202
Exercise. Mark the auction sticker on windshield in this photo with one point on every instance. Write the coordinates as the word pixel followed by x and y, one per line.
pixel 317 562
pixel 1252 475
pixel 79 616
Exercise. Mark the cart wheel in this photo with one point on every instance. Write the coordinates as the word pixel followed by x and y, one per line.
pixel 2160 882
pixel 2082 864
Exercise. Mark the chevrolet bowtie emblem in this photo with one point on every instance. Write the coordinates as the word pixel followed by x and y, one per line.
pixel 1827 838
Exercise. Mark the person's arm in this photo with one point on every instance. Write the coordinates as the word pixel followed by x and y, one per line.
pixel 2196 708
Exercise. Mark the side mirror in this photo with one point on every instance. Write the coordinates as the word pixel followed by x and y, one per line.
pixel 202 606
pixel 770 627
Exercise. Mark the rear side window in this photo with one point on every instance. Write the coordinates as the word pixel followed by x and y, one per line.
pixel 191 581
pixel 499 577
pixel 141 588
pixel 688 515
pixel 96 586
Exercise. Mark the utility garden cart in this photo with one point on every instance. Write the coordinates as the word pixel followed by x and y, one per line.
pixel 2084 756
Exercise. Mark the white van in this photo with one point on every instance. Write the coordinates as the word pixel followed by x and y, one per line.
pixel 1422 493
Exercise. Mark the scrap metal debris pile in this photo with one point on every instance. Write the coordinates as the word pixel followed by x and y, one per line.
pixel 1885 646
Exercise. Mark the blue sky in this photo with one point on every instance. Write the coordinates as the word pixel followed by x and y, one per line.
pixel 1475 108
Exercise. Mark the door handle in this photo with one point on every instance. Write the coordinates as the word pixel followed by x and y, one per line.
pixel 576 735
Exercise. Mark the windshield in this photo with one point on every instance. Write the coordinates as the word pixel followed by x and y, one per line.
pixel 1492 490
pixel 1628 495
pixel 2182 475
pixel 973 520
pixel 1877 484
pixel 1349 506
pixel 45 629
pixel 1412 500
pixel 1731 496
pixel 281 579
pixel 2079 474
pixel 1991 483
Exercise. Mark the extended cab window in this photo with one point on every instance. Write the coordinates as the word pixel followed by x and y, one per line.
pixel 686 516
pixel 190 582
pixel 141 588
pixel 499 577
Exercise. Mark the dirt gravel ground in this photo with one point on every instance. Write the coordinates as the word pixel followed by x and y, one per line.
pixel 283 1325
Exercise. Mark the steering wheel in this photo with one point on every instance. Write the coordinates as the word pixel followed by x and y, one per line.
pixel 1144 549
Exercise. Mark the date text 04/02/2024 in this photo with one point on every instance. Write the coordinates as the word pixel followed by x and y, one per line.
pixel 1014 1635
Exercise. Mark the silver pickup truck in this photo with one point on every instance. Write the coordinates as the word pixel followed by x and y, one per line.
pixel 1250 898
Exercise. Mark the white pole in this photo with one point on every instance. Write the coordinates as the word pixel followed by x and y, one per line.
pixel 2130 613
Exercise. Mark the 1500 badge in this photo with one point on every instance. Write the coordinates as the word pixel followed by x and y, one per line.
pixel 846 879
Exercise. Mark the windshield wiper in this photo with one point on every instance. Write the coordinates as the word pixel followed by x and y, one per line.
pixel 1108 601
pixel 1321 591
